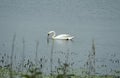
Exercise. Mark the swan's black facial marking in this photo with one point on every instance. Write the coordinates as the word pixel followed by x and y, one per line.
pixel 48 34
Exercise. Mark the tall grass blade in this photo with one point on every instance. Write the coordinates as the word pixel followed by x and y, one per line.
pixel 11 57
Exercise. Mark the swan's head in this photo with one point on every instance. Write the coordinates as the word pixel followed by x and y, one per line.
pixel 50 32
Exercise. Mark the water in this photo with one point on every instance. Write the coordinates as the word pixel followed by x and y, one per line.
pixel 84 19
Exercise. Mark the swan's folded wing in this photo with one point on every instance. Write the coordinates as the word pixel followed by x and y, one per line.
pixel 64 36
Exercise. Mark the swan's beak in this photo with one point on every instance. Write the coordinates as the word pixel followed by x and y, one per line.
pixel 48 34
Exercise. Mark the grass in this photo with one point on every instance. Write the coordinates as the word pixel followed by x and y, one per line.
pixel 30 69
pixel 11 57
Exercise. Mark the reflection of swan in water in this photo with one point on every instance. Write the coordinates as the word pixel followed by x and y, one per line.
pixel 61 36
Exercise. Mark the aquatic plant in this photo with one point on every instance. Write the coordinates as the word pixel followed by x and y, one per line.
pixel 29 68
pixel 11 57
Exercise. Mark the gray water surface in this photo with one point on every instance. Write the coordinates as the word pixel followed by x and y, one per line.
pixel 84 19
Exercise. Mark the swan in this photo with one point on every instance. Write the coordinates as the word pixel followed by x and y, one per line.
pixel 61 36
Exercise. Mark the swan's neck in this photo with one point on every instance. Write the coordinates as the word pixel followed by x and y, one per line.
pixel 54 34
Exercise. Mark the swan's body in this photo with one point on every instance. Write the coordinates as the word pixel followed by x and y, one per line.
pixel 61 36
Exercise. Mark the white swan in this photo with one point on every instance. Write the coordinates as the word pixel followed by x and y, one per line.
pixel 61 36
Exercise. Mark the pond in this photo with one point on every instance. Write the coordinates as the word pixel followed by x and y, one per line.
pixel 86 20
